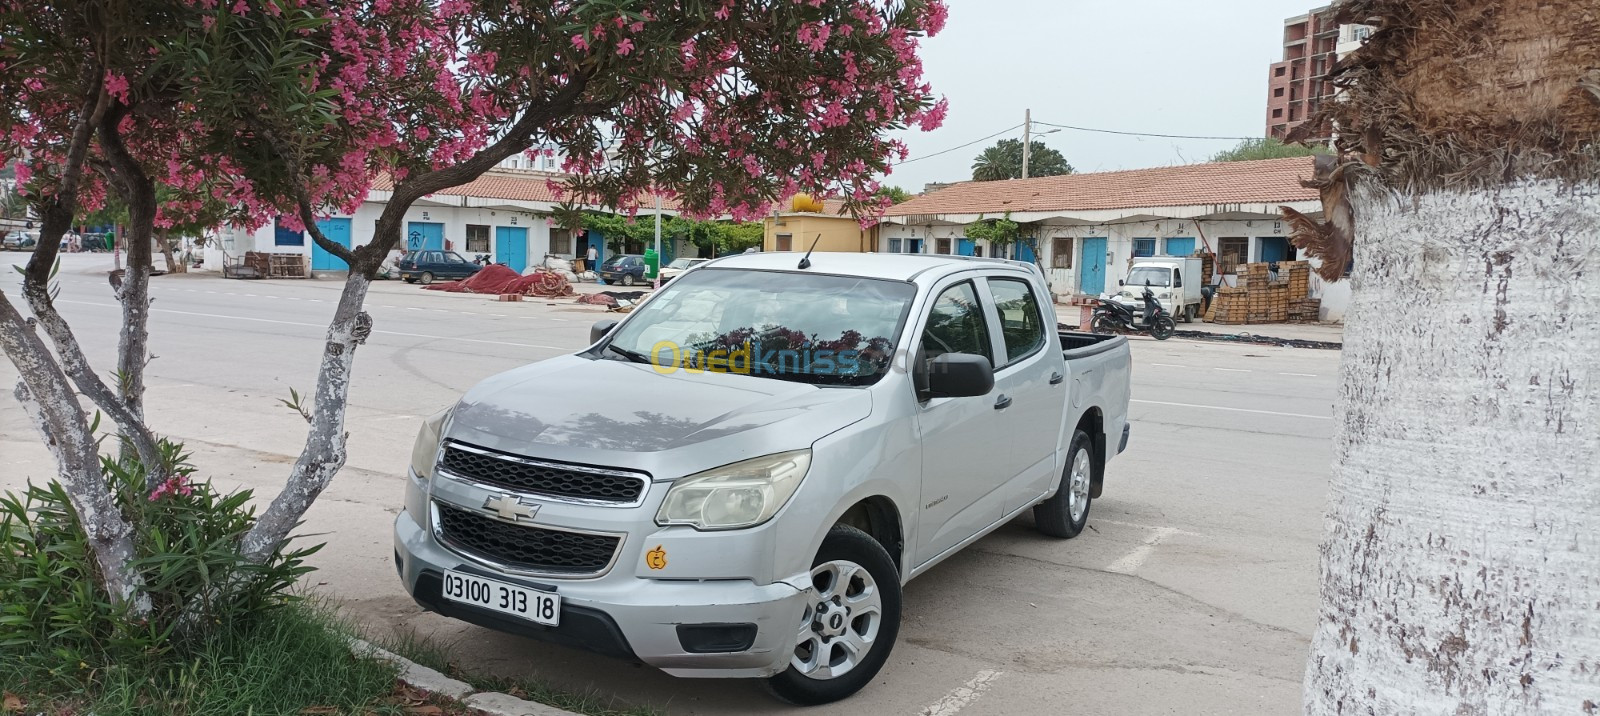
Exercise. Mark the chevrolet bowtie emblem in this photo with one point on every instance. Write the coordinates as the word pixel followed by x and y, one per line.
pixel 510 508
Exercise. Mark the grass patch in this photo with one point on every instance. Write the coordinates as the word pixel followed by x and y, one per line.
pixel 436 657
pixel 290 661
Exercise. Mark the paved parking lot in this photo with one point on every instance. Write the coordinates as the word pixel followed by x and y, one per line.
pixel 1194 592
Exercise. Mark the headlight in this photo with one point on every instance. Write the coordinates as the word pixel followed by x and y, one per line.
pixel 426 449
pixel 1165 294
pixel 744 494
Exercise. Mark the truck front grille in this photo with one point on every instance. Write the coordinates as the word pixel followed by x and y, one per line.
pixel 527 548
pixel 544 478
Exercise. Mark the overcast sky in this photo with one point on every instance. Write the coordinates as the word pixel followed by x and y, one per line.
pixel 1163 66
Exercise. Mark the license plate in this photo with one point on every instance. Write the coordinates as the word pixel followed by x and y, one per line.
pixel 521 602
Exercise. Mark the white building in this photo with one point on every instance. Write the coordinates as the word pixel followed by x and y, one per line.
pixel 503 213
pixel 1088 228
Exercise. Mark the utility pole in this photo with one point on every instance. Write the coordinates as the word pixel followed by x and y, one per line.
pixel 1027 139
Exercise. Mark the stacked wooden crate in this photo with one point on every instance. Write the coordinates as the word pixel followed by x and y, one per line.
pixel 1305 310
pixel 1230 306
pixel 1263 296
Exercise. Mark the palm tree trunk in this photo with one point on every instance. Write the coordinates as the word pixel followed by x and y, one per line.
pixel 1461 573
pixel 1461 569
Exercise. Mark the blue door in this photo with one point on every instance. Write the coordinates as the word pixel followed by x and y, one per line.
pixel 914 246
pixel 337 231
pixel 511 247
pixel 424 236
pixel 1092 267
pixel 1273 248
pixel 964 247
pixel 1180 246
pixel 1024 250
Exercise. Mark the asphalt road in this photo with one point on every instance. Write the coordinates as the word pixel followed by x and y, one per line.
pixel 1194 592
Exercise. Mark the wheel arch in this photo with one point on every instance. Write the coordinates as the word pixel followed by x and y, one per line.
pixel 1093 424
pixel 879 517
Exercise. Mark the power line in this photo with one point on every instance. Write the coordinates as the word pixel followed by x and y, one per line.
pixel 1137 134
pixel 964 146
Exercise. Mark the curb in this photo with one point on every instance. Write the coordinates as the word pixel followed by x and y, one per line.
pixel 490 703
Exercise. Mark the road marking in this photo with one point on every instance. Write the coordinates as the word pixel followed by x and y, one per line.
pixel 1171 530
pixel 1302 375
pixel 317 325
pixel 561 320
pixel 498 315
pixel 1131 561
pixel 1169 365
pixel 1234 370
pixel 963 695
pixel 1234 410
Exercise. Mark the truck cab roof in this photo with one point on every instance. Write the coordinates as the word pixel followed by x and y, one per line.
pixel 916 268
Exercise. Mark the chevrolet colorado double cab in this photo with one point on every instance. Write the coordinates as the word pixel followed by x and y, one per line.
pixel 738 478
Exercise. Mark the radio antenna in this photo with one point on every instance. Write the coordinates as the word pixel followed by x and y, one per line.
pixel 805 261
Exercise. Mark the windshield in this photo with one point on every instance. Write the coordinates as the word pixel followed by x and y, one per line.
pixel 681 263
pixel 1157 276
pixel 814 328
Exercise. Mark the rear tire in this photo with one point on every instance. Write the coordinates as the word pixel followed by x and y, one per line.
pixel 1163 328
pixel 1189 313
pixel 627 279
pixel 1101 324
pixel 426 278
pixel 1066 513
pixel 850 629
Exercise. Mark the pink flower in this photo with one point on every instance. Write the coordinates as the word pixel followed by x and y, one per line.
pixel 724 12
pixel 934 17
pixel 117 86
pixel 579 42
pixel 422 134
pixel 625 47
pixel 636 27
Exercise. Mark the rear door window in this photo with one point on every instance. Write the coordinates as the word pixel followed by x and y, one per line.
pixel 1021 324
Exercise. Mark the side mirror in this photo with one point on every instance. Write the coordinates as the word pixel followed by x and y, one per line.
pixel 600 329
pixel 959 375
pixel 1120 282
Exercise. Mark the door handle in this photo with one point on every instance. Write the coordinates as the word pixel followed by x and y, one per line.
pixel 1056 378
pixel 1003 403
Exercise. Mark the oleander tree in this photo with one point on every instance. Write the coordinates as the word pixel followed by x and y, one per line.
pixel 1461 562
pixel 295 108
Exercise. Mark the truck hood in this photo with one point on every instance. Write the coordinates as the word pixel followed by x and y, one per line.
pixel 622 414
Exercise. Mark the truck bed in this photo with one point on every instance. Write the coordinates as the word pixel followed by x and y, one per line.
pixel 1076 344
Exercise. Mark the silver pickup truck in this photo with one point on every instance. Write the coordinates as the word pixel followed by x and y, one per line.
pixel 738 479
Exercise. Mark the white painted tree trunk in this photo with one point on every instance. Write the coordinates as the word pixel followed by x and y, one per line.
pixel 324 453
pixel 1461 569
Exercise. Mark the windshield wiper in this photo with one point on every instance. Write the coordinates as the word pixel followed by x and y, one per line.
pixel 630 355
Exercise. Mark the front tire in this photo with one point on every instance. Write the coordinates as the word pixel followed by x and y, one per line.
pixel 850 621
pixel 1066 512
pixel 1163 328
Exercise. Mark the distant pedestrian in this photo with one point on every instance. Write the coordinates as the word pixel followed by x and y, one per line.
pixel 589 259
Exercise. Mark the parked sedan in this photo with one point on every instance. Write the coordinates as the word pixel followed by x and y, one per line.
pixel 678 266
pixel 626 269
pixel 425 266
pixel 20 241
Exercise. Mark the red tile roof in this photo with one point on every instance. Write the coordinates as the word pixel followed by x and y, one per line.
pixel 1263 181
pixel 514 185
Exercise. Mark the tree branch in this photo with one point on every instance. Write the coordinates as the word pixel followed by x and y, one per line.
pixel 137 190
pixel 49 402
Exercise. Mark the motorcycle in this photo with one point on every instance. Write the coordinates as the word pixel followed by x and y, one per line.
pixel 1113 317
pixel 481 259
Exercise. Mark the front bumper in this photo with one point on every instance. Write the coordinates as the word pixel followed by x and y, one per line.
pixel 622 615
